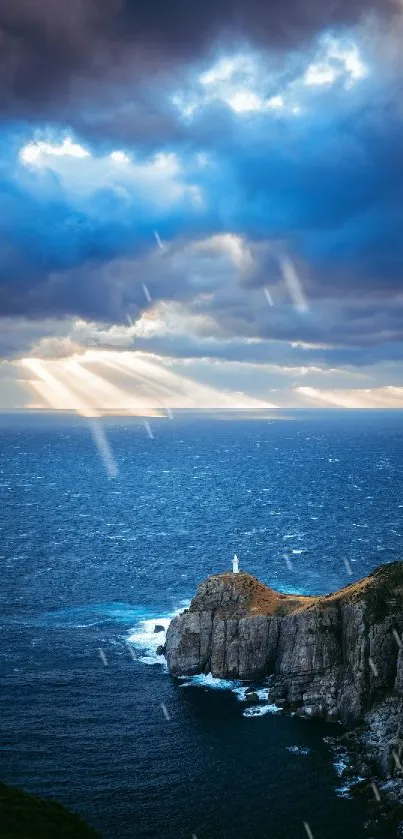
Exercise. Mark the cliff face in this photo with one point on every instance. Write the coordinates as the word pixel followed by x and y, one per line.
pixel 334 656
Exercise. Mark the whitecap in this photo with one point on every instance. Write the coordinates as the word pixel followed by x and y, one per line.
pixel 146 641
pixel 340 765
pixel 298 750
pixel 260 710
pixel 341 762
pixel 209 681
pixel 240 689
pixel 344 790
pixel 143 638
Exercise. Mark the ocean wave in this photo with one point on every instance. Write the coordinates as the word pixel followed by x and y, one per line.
pixel 298 750
pixel 260 710
pixel 80 617
pixel 240 689
pixel 146 641
pixel 344 790
pixel 209 681
pixel 342 764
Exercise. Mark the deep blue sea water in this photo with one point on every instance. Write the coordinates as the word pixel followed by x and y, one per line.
pixel 90 563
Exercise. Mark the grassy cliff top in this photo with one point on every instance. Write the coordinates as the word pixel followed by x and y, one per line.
pixel 236 595
pixel 381 591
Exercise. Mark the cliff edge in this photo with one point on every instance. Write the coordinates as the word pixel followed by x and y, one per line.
pixel 334 656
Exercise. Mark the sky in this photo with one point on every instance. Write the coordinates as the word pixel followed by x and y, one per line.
pixel 201 205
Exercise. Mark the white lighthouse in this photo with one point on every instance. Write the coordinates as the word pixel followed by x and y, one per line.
pixel 235 565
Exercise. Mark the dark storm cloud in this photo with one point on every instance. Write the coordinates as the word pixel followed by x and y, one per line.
pixel 323 189
pixel 330 199
pixel 52 51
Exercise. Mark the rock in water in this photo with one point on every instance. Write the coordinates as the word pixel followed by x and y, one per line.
pixel 159 628
pixel 332 657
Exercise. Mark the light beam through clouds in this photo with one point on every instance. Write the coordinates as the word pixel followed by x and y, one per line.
pixel 146 388
pixel 102 392
pixel 54 393
pixel 382 397
pixel 58 396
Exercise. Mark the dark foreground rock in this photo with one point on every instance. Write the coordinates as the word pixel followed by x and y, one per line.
pixel 24 816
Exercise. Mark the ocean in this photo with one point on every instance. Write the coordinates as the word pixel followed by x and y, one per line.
pixel 90 563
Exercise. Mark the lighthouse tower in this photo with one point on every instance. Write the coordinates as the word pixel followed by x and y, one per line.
pixel 235 565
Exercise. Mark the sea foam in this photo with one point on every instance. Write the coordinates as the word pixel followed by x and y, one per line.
pixel 146 641
pixel 240 689
pixel 260 710
pixel 209 681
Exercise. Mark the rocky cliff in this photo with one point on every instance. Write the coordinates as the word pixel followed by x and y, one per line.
pixel 334 657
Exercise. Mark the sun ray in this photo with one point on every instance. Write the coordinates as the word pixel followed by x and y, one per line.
pixel 71 384
pixel 189 392
pixel 55 394
pixel 105 394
